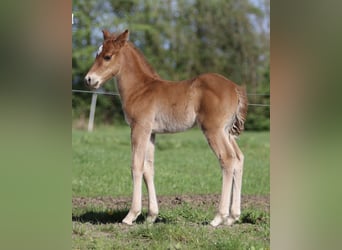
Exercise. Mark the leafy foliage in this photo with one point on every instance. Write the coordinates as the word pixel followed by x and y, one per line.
pixel 258 117
pixel 180 39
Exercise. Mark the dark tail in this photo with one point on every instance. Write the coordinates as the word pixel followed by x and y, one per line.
pixel 241 112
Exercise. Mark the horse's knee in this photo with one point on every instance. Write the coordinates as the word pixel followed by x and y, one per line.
pixel 227 160
pixel 240 157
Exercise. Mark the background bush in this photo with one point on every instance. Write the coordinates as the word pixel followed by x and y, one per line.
pixel 180 39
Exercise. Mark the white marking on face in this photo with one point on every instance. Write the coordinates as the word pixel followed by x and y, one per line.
pixel 99 50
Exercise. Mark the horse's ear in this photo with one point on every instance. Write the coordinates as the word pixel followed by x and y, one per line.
pixel 106 34
pixel 123 37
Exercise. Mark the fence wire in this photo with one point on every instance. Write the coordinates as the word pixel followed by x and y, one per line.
pixel 117 94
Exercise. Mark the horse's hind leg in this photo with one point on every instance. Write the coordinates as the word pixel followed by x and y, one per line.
pixel 223 148
pixel 235 209
pixel 148 178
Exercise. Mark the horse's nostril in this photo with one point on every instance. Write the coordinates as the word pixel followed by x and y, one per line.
pixel 87 81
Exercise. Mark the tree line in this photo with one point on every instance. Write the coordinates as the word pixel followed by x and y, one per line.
pixel 180 39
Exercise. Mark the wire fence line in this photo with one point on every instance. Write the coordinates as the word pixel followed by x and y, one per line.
pixel 95 92
pixel 260 105
pixel 101 92
pixel 117 94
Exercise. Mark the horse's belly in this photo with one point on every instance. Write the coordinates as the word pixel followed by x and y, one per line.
pixel 171 123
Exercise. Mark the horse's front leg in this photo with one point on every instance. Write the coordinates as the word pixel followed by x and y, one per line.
pixel 148 177
pixel 139 140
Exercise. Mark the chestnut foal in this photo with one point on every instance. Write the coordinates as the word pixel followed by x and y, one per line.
pixel 153 105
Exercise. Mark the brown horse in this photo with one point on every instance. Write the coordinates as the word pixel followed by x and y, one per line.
pixel 153 105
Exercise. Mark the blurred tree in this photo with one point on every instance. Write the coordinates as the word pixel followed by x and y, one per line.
pixel 181 39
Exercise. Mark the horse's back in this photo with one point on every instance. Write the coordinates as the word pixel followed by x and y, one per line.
pixel 217 83
pixel 216 90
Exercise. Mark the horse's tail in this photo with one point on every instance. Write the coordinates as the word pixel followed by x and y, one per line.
pixel 241 112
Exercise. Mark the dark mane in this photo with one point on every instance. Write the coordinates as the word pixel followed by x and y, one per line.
pixel 143 59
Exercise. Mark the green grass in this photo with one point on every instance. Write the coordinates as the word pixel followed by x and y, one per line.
pixel 184 165
pixel 182 228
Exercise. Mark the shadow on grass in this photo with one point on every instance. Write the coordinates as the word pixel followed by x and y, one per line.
pixel 116 216
pixel 110 217
pixel 101 217
pixel 254 217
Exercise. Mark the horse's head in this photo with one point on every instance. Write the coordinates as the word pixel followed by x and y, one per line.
pixel 108 60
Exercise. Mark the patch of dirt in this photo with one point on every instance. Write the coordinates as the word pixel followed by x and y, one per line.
pixel 251 201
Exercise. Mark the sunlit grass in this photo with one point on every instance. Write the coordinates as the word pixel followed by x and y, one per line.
pixel 184 163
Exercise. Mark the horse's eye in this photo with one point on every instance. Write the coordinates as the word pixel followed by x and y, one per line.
pixel 107 58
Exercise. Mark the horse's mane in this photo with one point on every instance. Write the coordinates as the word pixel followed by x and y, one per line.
pixel 143 60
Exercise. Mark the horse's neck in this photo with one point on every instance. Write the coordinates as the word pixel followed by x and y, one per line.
pixel 133 73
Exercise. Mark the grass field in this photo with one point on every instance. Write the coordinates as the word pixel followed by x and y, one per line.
pixel 184 166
